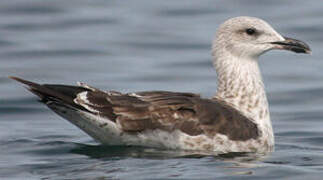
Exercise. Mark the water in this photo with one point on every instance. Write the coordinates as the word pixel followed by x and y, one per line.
pixel 150 45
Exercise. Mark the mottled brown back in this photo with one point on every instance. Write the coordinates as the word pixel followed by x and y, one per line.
pixel 169 111
pixel 137 112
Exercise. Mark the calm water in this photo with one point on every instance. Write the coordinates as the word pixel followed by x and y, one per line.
pixel 150 45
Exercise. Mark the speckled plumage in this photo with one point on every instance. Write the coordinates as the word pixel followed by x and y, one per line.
pixel 236 119
pixel 239 78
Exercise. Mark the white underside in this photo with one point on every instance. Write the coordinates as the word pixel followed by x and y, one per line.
pixel 109 133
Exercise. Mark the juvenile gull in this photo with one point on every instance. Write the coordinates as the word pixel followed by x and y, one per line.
pixel 236 119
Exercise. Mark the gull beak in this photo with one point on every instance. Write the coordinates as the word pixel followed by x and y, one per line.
pixel 292 45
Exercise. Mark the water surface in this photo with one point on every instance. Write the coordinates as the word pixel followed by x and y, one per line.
pixel 150 45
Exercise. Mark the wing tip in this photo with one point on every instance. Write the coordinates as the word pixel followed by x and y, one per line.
pixel 14 78
pixel 23 81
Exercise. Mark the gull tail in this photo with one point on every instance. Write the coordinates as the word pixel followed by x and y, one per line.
pixel 60 99
pixel 61 94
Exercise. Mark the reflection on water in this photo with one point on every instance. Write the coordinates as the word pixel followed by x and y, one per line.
pixel 134 46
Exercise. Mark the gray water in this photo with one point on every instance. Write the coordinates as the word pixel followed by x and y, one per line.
pixel 150 45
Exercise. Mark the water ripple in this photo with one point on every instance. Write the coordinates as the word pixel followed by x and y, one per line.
pixel 146 45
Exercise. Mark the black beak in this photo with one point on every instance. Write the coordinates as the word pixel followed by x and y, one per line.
pixel 293 45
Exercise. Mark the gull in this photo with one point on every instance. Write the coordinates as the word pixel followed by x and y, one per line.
pixel 236 119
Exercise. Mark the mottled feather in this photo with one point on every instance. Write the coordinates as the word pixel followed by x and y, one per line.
pixel 169 111
pixel 151 110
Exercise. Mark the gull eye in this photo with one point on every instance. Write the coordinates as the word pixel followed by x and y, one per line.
pixel 250 31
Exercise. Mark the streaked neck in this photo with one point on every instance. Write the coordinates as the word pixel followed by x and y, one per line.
pixel 240 84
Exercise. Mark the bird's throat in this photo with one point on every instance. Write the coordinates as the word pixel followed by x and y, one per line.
pixel 240 84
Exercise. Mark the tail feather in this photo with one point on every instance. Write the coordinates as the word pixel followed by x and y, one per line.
pixel 52 92
pixel 60 99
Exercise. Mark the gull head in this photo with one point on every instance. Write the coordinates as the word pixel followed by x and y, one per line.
pixel 249 37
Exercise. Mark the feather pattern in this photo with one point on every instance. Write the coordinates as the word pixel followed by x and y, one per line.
pixel 236 119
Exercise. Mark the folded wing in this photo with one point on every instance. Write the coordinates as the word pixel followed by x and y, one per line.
pixel 169 111
pixel 151 110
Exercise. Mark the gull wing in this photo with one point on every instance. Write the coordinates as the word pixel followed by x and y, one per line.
pixel 151 110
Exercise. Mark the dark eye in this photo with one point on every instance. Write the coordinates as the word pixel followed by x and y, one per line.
pixel 250 31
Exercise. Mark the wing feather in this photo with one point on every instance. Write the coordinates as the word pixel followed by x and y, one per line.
pixel 136 112
pixel 169 111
